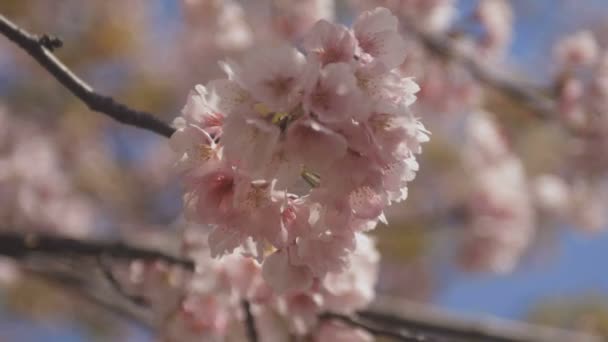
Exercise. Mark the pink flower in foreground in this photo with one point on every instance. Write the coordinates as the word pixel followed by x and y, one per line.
pixel 330 43
pixel 378 37
pixel 335 95
pixel 273 76
pixel 293 156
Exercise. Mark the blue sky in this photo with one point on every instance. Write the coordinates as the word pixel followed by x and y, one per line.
pixel 575 268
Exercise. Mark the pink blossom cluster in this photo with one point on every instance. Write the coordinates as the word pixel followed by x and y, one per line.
pixel 429 15
pixel 35 191
pixel 582 82
pixel 207 305
pixel 496 19
pixel 447 86
pixel 503 221
pixel 578 201
pixel 575 199
pixel 582 90
pixel 286 19
pixel 293 155
pixel 215 25
pixel 215 29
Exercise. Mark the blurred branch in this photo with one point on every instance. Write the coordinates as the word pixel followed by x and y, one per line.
pixel 397 335
pixel 444 46
pixel 107 273
pixel 393 312
pixel 18 245
pixel 40 48
pixel 96 295
pixel 391 318
pixel 252 333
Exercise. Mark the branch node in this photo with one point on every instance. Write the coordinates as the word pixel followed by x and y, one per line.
pixel 40 49
pixel 50 42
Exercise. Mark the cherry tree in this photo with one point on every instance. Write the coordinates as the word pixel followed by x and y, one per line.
pixel 298 140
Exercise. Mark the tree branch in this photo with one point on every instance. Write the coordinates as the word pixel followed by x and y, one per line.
pixel 40 48
pixel 109 276
pixel 391 318
pixel 252 332
pixel 392 312
pixel 19 246
pixel 93 294
pixel 397 335
pixel 544 106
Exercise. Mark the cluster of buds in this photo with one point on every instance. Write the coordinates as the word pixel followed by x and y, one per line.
pixel 293 155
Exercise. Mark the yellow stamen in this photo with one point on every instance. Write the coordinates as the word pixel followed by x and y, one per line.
pixel 278 117
pixel 313 179
pixel 205 152
pixel 262 109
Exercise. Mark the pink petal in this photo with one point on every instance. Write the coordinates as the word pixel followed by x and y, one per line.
pixel 283 276
pixel 331 43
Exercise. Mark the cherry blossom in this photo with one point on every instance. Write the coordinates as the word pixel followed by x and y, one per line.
pixel 503 222
pixel 293 155
pixel 37 193
pixel 378 37
pixel 331 43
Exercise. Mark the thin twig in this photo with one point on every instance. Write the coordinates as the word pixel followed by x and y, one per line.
pixel 397 335
pixel 107 273
pixel 252 332
pixel 40 48
pixel 18 245
pixel 94 295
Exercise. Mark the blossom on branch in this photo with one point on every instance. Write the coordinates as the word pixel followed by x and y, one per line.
pixel 294 154
pixel 205 305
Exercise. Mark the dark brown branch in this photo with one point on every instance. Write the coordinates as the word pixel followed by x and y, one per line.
pixel 40 48
pixel 252 332
pixel 19 246
pixel 51 43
